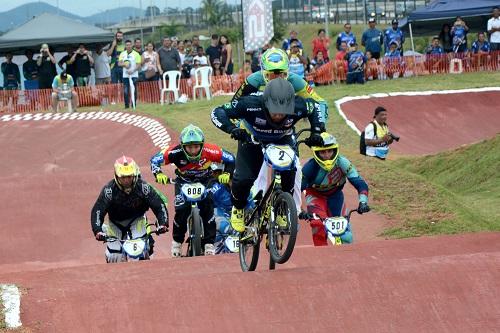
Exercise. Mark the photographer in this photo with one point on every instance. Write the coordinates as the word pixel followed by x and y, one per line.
pixel 376 137
pixel 46 67
pixel 114 51
pixel 82 59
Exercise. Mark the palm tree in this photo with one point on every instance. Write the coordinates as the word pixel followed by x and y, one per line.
pixel 215 13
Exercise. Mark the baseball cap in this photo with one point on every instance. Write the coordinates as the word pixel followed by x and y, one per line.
pixel 372 20
pixel 395 21
pixel 279 96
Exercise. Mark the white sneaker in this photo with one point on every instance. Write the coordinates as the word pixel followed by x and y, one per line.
pixel 209 249
pixel 176 249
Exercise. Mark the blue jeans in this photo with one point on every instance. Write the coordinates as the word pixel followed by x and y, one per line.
pixel 126 90
pixel 116 74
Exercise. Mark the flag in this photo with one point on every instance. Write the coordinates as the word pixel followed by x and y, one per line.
pixel 257 23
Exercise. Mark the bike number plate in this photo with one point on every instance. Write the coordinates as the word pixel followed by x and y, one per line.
pixel 281 156
pixel 134 247
pixel 193 191
pixel 336 225
pixel 232 243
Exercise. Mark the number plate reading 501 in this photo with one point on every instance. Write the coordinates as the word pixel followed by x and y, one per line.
pixel 193 191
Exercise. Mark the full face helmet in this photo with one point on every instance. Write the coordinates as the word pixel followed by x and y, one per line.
pixel 192 135
pixel 329 142
pixel 126 167
pixel 274 61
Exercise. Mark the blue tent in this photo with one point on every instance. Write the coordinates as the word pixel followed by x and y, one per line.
pixel 428 20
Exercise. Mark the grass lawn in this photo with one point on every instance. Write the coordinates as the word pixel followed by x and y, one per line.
pixel 418 193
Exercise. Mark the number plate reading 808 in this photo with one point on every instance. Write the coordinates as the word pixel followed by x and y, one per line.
pixel 193 191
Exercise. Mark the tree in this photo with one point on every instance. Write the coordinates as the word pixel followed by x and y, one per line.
pixel 279 28
pixel 215 13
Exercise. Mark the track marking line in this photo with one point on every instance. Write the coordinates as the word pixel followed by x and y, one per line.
pixel 10 298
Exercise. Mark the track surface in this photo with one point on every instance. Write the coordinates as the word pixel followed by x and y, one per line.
pixel 430 124
pixel 52 173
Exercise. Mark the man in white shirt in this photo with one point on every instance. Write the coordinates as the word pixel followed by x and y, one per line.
pixel 494 29
pixel 102 67
pixel 377 136
pixel 130 61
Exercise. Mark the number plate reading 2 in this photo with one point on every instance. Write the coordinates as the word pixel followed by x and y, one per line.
pixel 134 247
pixel 280 157
pixel 193 191
pixel 232 243
pixel 336 225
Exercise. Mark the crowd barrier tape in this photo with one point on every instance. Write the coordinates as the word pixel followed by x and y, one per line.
pixel 332 72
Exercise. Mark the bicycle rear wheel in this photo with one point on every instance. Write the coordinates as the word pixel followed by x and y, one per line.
pixel 282 238
pixel 250 246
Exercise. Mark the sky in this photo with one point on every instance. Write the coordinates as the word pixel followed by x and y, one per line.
pixel 89 7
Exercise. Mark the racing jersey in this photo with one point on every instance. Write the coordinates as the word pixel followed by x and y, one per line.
pixel 256 80
pixel 188 171
pixel 343 37
pixel 391 35
pixel 478 46
pixel 459 34
pixel 326 183
pixel 355 61
pixel 254 117
pixel 124 208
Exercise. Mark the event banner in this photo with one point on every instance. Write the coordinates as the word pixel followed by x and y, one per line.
pixel 257 23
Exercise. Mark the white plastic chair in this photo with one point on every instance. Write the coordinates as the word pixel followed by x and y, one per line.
pixel 203 80
pixel 173 85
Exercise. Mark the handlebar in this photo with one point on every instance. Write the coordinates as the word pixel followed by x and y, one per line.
pixel 114 239
pixel 303 216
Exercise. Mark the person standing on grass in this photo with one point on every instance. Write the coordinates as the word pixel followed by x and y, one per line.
pixel 130 62
pixel 494 29
pixel 372 39
pixel 346 37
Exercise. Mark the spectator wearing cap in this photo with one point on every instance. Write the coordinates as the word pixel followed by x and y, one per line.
pixel 60 83
pixel 287 42
pixel 30 70
pixel 377 136
pixel 83 60
pixel 321 44
pixel 356 61
pixel 494 29
pixel 11 74
pixel 217 68
pixel 46 67
pixel 372 39
pixel 170 59
pixel 214 50
pixel 394 34
pixel 346 36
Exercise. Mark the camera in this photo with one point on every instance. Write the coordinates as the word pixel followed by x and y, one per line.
pixel 394 137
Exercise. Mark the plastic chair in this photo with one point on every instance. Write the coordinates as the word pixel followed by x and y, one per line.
pixel 173 85
pixel 203 80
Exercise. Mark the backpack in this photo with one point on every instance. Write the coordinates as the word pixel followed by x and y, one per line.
pixel 362 143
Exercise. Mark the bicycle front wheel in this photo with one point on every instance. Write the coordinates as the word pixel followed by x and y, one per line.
pixel 283 228
pixel 250 246
pixel 196 232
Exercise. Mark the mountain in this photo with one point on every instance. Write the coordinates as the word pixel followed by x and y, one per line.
pixel 20 15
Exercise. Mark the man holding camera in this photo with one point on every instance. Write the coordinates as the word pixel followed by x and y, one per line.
pixel 46 67
pixel 114 51
pixel 82 60
pixel 377 136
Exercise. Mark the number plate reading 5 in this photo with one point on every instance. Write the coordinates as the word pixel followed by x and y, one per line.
pixel 134 247
pixel 193 191
pixel 336 225
pixel 281 156
pixel 232 243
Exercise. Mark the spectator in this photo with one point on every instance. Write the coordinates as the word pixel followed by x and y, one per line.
pixel 459 36
pixel 46 67
pixel 434 57
pixel 195 43
pixel 494 29
pixel 11 74
pixel 394 34
pixel 372 67
pixel 138 46
pixel 321 44
pixel 296 61
pixel 377 136
pixel 169 57
pixel 480 50
pixel 181 50
pixel 202 59
pixel 150 61
pixel 66 65
pixel 445 38
pixel 188 47
pixel 196 65
pixel 186 69
pixel 372 39
pixel 60 83
pixel 318 61
pixel 340 62
pixel 226 55
pixel 356 61
pixel 117 47
pixel 256 55
pixel 214 50
pixel 346 36
pixel 82 60
pixel 102 67
pixel 287 42
pixel 393 62
pixel 130 62
pixel 246 70
pixel 30 71
pixel 218 71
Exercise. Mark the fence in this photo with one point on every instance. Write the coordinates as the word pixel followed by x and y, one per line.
pixel 332 72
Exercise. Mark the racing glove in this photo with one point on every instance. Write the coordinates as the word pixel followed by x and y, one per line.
pixel 162 229
pixel 239 134
pixel 224 178
pixel 363 208
pixel 314 140
pixel 161 178
pixel 100 236
pixel 306 216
